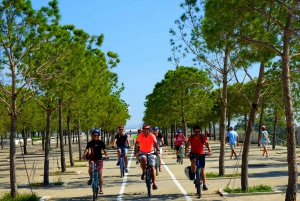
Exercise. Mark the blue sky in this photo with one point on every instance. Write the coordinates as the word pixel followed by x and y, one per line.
pixel 138 31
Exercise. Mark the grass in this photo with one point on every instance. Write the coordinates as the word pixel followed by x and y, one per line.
pixel 254 189
pixel 57 182
pixel 80 160
pixel 78 165
pixel 216 175
pixel 59 172
pixel 20 197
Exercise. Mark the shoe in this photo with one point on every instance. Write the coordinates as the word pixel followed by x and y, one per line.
pixel 89 182
pixel 267 155
pixel 118 163
pixel 230 157
pixel 137 162
pixel 192 175
pixel 126 170
pixel 236 158
pixel 205 187
pixel 160 170
pixel 154 187
pixel 143 176
pixel 101 192
pixel 263 155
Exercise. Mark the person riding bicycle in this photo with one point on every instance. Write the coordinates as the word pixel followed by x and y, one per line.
pixel 134 141
pixel 121 139
pixel 197 143
pixel 179 140
pixel 146 141
pixel 95 146
pixel 160 142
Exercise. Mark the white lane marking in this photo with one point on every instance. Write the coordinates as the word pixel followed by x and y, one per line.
pixel 176 182
pixel 124 179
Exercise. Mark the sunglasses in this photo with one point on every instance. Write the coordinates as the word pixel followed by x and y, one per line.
pixel 96 135
pixel 121 129
pixel 197 131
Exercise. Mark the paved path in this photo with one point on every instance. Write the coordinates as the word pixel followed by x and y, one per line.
pixel 172 182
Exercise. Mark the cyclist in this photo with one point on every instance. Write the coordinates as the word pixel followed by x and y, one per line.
pixel 264 140
pixel 121 139
pixel 146 141
pixel 134 140
pixel 160 142
pixel 95 146
pixel 179 140
pixel 197 143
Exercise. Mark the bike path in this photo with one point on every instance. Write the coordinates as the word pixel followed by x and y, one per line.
pixel 270 171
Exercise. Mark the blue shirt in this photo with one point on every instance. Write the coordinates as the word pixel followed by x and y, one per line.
pixel 232 136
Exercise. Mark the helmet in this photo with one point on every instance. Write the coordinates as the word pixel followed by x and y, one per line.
pixel 179 131
pixel 121 127
pixel 96 131
pixel 263 128
pixel 146 127
pixel 155 128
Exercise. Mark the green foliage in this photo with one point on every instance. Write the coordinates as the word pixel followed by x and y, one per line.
pixel 20 197
pixel 254 189
pixel 216 175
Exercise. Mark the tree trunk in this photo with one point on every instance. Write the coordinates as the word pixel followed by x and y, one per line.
pixel 79 143
pixel 274 131
pixel 24 135
pixel 12 150
pixel 172 136
pixel 223 114
pixel 260 124
pixel 43 140
pixel 47 147
pixel 69 142
pixel 291 191
pixel 214 128
pixel 61 138
pixel 247 140
pixel 1 142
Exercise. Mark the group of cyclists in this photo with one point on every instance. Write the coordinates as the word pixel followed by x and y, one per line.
pixel 146 143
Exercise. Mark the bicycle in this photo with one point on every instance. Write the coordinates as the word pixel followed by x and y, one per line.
pixel 180 155
pixel 198 176
pixel 121 163
pixel 148 175
pixel 95 179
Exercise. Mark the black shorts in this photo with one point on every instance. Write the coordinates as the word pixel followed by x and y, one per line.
pixel 177 147
pixel 201 159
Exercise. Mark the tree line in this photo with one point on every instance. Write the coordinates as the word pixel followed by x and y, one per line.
pixel 54 78
pixel 224 37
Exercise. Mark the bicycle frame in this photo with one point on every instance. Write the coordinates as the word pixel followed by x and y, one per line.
pixel 95 181
pixel 122 164
pixel 198 176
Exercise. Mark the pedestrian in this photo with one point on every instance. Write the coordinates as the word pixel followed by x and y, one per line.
pixel 233 140
pixel 264 141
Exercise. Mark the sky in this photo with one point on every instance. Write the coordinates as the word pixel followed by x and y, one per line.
pixel 138 31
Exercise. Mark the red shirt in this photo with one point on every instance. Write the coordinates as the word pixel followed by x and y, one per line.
pixel 146 143
pixel 197 147
pixel 179 139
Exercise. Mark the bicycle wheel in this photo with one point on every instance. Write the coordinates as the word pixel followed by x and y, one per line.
pixel 148 181
pixel 95 187
pixel 198 182
pixel 122 167
pixel 181 160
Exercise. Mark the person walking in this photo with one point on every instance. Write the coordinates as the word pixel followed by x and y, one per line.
pixel 233 140
pixel 264 141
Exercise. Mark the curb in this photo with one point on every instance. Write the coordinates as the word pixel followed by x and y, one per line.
pixel 223 193
pixel 44 198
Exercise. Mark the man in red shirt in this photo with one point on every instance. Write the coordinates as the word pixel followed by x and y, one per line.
pixel 197 143
pixel 146 142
